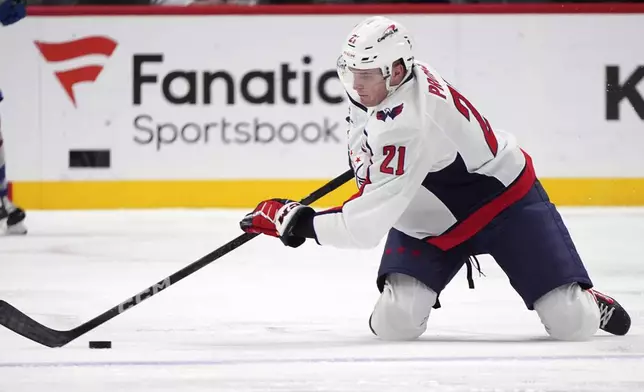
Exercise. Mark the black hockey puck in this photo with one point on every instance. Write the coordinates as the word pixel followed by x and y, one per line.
pixel 100 344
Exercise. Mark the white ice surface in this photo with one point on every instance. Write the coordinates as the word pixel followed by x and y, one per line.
pixel 270 318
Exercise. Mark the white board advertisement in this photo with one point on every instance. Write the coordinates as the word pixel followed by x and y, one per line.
pixel 227 97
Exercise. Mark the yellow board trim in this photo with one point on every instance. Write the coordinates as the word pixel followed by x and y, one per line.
pixel 247 193
pixel 168 194
pixel 595 191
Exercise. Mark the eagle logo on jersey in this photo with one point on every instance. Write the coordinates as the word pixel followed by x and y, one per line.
pixel 393 113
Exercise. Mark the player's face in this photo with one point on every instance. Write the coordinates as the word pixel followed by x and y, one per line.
pixel 370 85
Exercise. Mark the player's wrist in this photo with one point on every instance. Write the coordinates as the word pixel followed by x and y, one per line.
pixel 302 225
pixel 296 225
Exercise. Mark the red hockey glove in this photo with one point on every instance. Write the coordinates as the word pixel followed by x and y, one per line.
pixel 275 217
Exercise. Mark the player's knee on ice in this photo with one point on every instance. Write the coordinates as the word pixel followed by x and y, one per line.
pixel 568 313
pixel 403 308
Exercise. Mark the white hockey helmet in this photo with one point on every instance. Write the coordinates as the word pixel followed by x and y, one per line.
pixel 376 42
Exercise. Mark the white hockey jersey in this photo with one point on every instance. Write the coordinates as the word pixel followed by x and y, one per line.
pixel 428 164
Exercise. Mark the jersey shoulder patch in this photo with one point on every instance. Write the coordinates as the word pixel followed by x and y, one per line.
pixel 392 113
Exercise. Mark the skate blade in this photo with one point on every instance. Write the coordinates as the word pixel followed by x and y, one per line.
pixel 17 229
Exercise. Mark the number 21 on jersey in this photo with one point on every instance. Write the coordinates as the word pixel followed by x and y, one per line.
pixel 465 108
pixel 391 165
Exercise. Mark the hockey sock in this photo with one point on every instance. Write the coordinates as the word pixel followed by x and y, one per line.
pixel 4 189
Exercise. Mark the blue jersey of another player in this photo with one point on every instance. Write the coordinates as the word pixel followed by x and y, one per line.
pixel 12 11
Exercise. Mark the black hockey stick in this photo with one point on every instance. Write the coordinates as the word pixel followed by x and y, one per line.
pixel 24 325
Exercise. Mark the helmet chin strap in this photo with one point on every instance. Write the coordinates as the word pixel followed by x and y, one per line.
pixel 391 89
pixel 386 74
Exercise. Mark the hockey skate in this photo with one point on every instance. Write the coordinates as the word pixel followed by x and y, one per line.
pixel 12 217
pixel 613 318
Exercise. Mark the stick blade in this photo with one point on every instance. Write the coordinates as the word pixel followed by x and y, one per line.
pixel 20 323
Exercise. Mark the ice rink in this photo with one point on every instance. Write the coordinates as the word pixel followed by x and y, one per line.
pixel 270 318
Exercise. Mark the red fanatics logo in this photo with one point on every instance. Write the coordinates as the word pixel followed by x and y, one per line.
pixel 69 50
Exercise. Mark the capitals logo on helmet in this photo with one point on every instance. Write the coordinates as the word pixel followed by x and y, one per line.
pixel 392 113
pixel 391 30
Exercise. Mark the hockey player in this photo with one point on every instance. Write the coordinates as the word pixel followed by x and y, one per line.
pixel 11 11
pixel 444 186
